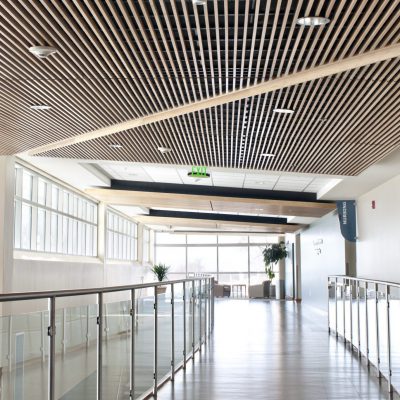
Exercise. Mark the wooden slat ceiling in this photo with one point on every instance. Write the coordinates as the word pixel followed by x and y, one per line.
pixel 211 203
pixel 120 60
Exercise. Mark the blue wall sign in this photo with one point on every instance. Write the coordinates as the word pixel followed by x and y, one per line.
pixel 347 218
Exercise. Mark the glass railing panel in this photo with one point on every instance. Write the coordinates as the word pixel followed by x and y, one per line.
pixel 196 314
pixel 372 321
pixel 332 304
pixel 24 350
pixel 164 347
pixel 348 310
pixel 383 330
pixel 340 306
pixel 76 347
pixel 189 317
pixel 363 319
pixel 116 345
pixel 144 341
pixel 178 324
pixel 355 313
pixel 395 335
pixel 204 297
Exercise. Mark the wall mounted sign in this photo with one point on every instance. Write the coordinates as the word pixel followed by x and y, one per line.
pixel 347 218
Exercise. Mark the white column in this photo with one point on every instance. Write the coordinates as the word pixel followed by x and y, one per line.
pixel 7 173
pixel 280 292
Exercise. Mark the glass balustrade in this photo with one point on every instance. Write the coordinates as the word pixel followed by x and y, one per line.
pixel 364 313
pixel 112 343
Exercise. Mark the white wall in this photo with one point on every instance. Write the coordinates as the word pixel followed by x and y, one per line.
pixel 378 247
pixel 317 266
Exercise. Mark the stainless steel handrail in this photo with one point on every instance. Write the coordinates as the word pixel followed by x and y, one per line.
pixel 203 296
pixel 343 282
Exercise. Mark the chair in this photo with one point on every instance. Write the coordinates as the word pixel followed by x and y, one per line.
pixel 256 291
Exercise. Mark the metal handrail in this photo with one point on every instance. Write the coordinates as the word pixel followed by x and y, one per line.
pixel 205 298
pixel 395 284
pixel 82 292
pixel 354 283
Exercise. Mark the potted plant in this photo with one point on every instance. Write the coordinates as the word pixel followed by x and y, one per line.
pixel 272 254
pixel 160 271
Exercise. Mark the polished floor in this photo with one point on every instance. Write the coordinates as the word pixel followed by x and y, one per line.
pixel 273 350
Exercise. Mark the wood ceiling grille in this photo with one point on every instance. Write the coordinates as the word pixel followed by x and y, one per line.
pixel 124 59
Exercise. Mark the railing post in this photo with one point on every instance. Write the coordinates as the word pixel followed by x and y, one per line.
pixel 52 352
pixel 133 333
pixel 366 324
pixel 172 333
pixel 200 319
pixel 344 308
pixel 389 346
pixel 351 313
pixel 100 348
pixel 336 315
pixel 184 325
pixel 205 288
pixel 64 331
pixel 209 307
pixel 193 319
pixel 213 303
pixel 377 331
pixel 358 317
pixel 87 325
pixel 155 342
pixel 329 314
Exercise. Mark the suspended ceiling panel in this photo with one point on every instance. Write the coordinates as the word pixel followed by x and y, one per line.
pixel 211 203
pixel 224 178
pixel 119 60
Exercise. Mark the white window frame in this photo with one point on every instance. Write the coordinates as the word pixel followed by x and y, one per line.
pixel 57 234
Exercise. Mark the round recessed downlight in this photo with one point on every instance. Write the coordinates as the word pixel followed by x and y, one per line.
pixel 115 146
pixel 40 107
pixel 313 21
pixel 42 51
pixel 164 150
pixel 283 110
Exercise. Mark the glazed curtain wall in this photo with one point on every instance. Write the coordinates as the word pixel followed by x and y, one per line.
pixel 230 258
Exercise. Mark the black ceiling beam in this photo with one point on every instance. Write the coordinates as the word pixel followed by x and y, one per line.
pixel 198 190
pixel 219 217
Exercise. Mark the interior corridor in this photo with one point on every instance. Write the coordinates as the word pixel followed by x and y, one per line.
pixel 273 350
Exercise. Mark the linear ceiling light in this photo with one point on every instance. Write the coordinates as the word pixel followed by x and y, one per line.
pixel 115 146
pixel 42 51
pixel 313 21
pixel 40 107
pixel 199 2
pixel 269 155
pixel 283 110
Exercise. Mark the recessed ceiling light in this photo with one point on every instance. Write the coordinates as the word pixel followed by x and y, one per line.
pixel 164 150
pixel 283 110
pixel 323 119
pixel 199 2
pixel 267 155
pixel 313 21
pixel 42 51
pixel 115 146
pixel 40 107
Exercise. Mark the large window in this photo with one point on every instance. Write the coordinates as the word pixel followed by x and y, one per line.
pixel 121 237
pixel 50 218
pixel 230 258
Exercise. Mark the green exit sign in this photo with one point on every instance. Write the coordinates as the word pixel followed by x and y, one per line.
pixel 199 172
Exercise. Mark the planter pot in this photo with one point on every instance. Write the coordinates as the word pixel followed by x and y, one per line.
pixel 161 289
pixel 266 287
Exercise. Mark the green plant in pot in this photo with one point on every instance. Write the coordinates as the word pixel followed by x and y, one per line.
pixel 272 253
pixel 160 271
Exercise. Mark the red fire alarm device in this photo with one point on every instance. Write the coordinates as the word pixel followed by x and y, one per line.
pixel 373 204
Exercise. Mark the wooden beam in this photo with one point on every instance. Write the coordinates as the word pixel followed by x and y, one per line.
pixel 297 78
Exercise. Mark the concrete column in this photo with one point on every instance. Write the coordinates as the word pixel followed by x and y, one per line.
pixel 7 173
pixel 297 269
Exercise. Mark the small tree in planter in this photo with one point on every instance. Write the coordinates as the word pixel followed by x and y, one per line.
pixel 160 271
pixel 272 254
